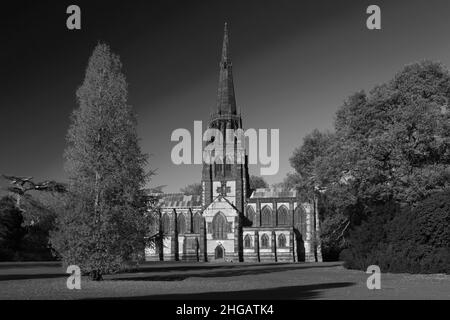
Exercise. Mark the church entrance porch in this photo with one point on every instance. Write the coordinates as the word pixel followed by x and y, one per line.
pixel 219 253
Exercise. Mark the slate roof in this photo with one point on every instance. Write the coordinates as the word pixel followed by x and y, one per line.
pixel 179 200
pixel 273 193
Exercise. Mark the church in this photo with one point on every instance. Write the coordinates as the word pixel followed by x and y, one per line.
pixel 228 221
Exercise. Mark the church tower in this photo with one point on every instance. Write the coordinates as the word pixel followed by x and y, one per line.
pixel 225 179
pixel 227 223
pixel 228 175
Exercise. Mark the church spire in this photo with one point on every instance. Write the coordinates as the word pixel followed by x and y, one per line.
pixel 225 44
pixel 226 101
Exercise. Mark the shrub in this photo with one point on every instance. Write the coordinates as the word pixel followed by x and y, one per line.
pixel 367 241
pixel 415 239
pixel 11 231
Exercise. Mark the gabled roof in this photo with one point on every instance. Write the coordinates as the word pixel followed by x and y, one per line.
pixel 273 193
pixel 179 200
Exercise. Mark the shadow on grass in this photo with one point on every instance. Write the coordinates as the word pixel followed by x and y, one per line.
pixel 280 293
pixel 26 264
pixel 10 277
pixel 195 266
pixel 214 271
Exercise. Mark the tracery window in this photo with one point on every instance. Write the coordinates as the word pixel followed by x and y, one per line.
pixel 265 241
pixel 219 226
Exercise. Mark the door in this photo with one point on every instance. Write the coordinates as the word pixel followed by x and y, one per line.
pixel 219 252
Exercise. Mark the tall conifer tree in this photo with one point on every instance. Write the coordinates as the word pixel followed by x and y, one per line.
pixel 106 220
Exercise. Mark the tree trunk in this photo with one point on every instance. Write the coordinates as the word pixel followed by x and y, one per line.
pixel 18 201
pixel 96 275
pixel 317 231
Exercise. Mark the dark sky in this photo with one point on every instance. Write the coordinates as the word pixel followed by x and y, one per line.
pixel 294 63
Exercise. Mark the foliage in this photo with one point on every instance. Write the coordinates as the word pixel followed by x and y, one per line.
pixel 257 182
pixel 105 222
pixel 11 230
pixel 414 239
pixel 396 141
pixel 332 230
pixel 192 189
pixel 33 223
pixel 291 181
pixel 390 147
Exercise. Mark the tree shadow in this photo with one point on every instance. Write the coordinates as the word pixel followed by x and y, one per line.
pixel 280 293
pixel 196 266
pixel 218 272
pixel 24 265
pixel 11 277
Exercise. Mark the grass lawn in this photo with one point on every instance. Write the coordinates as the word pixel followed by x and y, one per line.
pixel 177 280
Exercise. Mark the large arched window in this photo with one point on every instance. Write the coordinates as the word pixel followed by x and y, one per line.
pixel 282 216
pixel 181 224
pixel 250 213
pixel 266 216
pixel 265 241
pixel 197 223
pixel 247 241
pixel 282 241
pixel 219 226
pixel 298 215
pixel 165 223
pixel 218 166
pixel 228 163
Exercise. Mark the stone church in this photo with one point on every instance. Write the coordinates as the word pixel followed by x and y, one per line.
pixel 228 221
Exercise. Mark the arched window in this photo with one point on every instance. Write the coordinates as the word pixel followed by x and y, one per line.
pixel 298 216
pixel 282 241
pixel 218 165
pixel 266 216
pixel 265 241
pixel 197 223
pixel 165 224
pixel 228 162
pixel 181 224
pixel 247 241
pixel 282 216
pixel 250 213
pixel 219 226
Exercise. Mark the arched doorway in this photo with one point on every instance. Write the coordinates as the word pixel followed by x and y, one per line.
pixel 219 252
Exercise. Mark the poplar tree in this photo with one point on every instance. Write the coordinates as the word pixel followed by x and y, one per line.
pixel 105 223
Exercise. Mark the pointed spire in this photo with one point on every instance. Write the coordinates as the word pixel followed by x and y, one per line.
pixel 226 101
pixel 225 44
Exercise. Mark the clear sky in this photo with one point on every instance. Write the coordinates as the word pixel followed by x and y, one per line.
pixel 294 64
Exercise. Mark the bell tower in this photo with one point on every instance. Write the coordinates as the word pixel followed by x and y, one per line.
pixel 227 176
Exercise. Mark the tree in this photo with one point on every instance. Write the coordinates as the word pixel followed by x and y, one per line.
pixel 257 182
pixel 292 181
pixel 22 187
pixel 192 189
pixel 105 223
pixel 391 145
pixel 11 230
pixel 395 141
pixel 306 161
pixel 413 239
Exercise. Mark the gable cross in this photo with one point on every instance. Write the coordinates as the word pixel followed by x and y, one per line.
pixel 223 189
